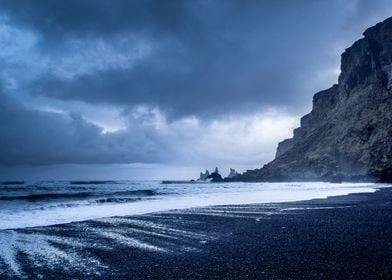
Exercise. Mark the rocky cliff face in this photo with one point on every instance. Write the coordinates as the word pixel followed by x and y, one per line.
pixel 348 133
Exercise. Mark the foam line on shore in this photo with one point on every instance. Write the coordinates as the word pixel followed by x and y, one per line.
pixel 219 194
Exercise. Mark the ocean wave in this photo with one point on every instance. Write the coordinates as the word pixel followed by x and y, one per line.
pixel 12 183
pixel 43 196
pixel 144 192
pixel 79 195
pixel 116 200
pixel 25 188
pixel 92 182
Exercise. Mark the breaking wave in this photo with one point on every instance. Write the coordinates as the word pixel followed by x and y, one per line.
pixel 55 202
pixel 78 195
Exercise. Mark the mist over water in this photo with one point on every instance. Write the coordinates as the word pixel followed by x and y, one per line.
pixel 29 204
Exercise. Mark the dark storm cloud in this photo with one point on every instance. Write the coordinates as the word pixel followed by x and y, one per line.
pixel 37 137
pixel 208 57
pixel 31 136
pixel 57 19
pixel 177 71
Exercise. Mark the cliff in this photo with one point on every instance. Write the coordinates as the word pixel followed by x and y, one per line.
pixel 348 133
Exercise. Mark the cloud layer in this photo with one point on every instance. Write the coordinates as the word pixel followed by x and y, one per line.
pixel 178 82
pixel 40 137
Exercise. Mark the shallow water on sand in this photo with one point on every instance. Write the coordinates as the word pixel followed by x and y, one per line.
pixel 29 204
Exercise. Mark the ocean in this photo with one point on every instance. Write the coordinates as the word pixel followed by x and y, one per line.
pixel 43 203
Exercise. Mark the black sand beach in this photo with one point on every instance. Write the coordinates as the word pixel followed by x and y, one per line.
pixel 347 237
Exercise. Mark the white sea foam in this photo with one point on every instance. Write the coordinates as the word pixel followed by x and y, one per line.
pixel 156 232
pixel 31 213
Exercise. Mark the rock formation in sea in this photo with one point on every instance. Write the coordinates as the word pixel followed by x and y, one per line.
pixel 203 176
pixel 232 173
pixel 348 133
pixel 215 176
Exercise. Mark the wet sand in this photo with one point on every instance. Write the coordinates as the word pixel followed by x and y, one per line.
pixel 346 237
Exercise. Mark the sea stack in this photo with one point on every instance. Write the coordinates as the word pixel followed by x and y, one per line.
pixel 348 134
pixel 233 173
pixel 204 176
pixel 215 176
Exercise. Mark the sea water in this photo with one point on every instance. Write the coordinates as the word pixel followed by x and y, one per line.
pixel 30 204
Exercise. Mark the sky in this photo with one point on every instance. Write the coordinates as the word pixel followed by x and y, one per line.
pixel 163 89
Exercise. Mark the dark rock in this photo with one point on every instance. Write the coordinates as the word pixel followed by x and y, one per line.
pixel 215 177
pixel 233 173
pixel 12 183
pixel 348 134
pixel 283 147
pixel 203 176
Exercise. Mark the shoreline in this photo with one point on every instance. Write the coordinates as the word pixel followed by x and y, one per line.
pixel 164 199
pixel 339 237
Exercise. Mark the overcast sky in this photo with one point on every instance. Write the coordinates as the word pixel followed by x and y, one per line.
pixel 161 89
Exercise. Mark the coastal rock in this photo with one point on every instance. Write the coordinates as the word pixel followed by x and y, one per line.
pixel 283 147
pixel 232 173
pixel 203 176
pixel 215 177
pixel 348 133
